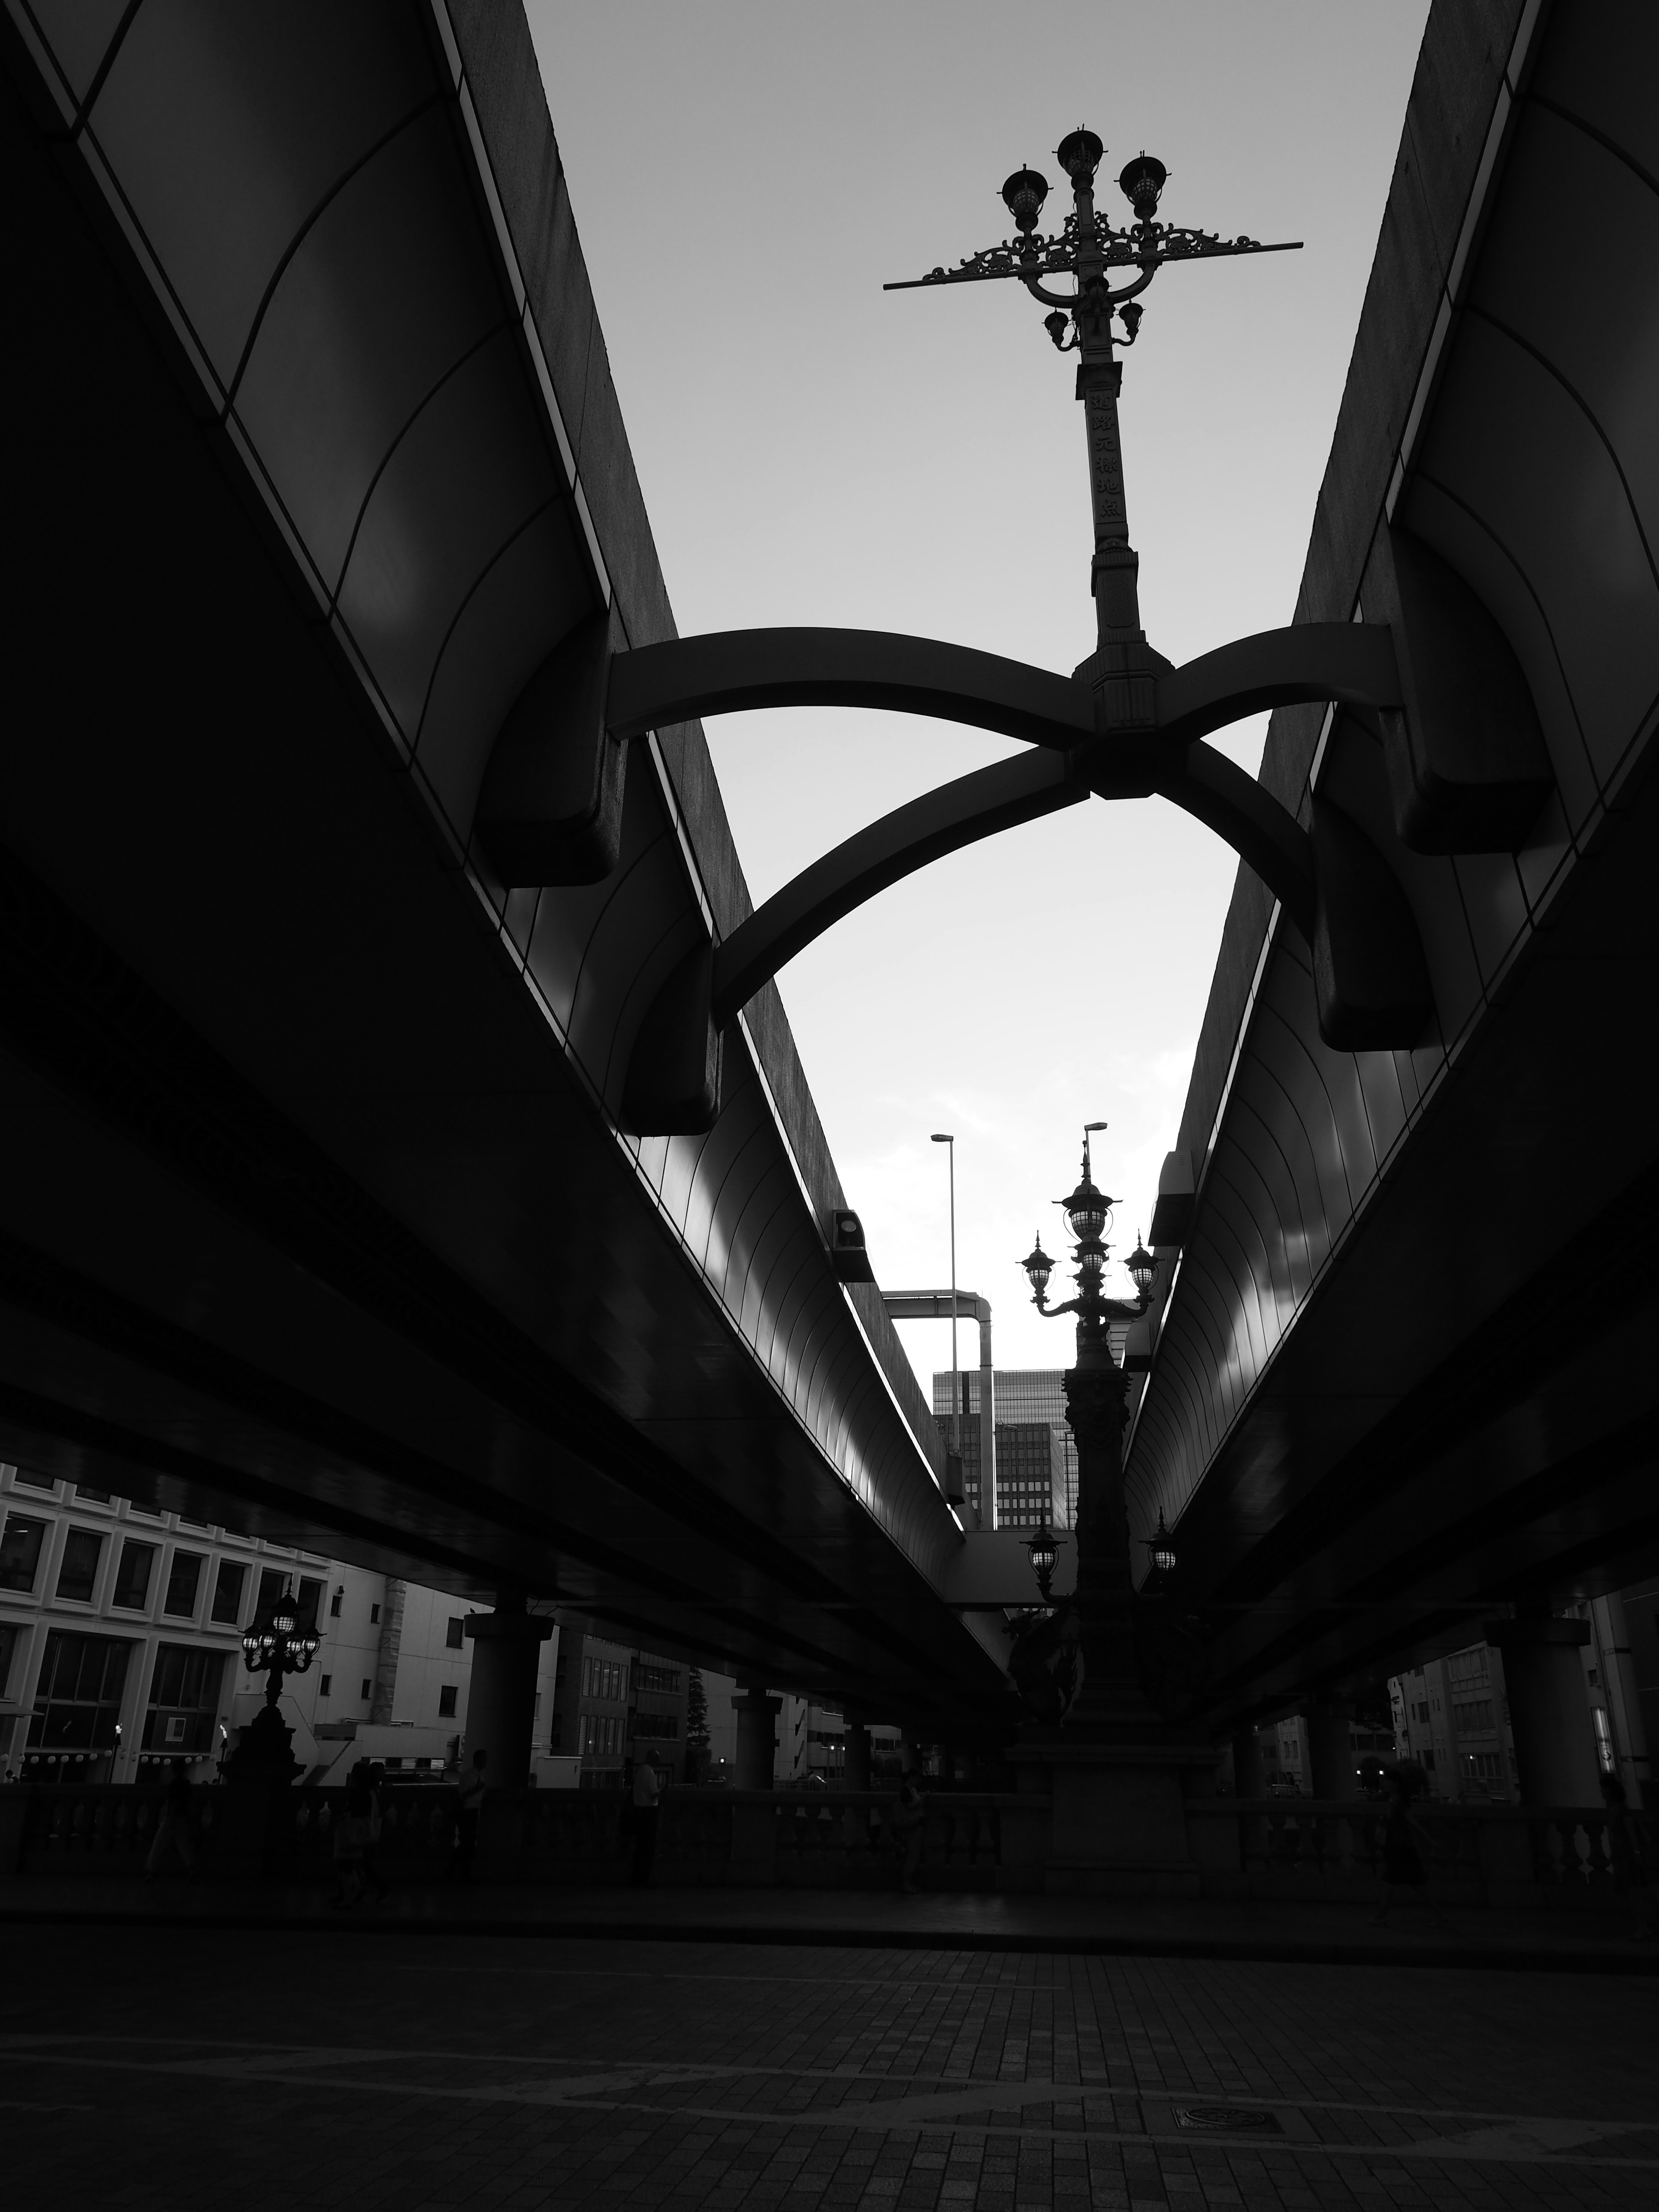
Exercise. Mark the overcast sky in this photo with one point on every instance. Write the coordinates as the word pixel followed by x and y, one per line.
pixel 745 177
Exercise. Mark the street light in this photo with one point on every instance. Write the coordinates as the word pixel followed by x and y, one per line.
pixel 279 1646
pixel 1084 250
pixel 1044 1547
pixel 1096 1407
pixel 1160 1547
pixel 942 1137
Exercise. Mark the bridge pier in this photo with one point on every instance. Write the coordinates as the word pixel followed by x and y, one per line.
pixel 757 1718
pixel 1330 1753
pixel 1549 1714
pixel 1250 1771
pixel 858 1746
pixel 501 1701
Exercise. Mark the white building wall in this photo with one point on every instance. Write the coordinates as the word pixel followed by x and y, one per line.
pixel 327 1707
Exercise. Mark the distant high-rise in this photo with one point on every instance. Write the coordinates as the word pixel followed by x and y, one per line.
pixel 1037 1459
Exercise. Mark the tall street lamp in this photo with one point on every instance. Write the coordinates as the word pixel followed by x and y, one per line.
pixel 944 1136
pixel 1111 1700
pixel 1084 249
pixel 277 1646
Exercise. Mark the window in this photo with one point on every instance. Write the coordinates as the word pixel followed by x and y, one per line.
pixel 373 1615
pixel 82 1550
pixel 1428 1761
pixel 665 1679
pixel 1471 1718
pixel 601 1734
pixel 446 1702
pixel 77 1700
pixel 183 1584
pixel 657 1727
pixel 8 1645
pixel 368 1688
pixel 20 1552
pixel 1604 1750
pixel 227 1592
pixel 334 1605
pixel 309 1602
pixel 1422 1711
pixel 132 1576
pixel 272 1583
pixel 183 1697
pixel 603 1678
pixel 452 1636
pixel 26 1479
pixel 325 1685
pixel 92 1496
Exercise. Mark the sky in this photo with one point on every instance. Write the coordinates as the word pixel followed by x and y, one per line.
pixel 812 450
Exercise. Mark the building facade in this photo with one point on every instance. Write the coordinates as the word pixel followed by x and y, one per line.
pixel 120 1647
pixel 1036 1454
pixel 612 1703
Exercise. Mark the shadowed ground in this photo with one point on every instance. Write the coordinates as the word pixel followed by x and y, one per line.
pixel 197 2066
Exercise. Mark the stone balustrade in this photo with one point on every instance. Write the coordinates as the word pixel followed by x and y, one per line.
pixel 1277 1848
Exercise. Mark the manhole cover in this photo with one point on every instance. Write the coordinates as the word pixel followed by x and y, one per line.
pixel 1230 2117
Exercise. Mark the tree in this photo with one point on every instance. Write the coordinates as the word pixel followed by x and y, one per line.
pixel 697 1728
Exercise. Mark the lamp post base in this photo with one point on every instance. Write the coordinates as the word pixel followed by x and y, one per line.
pixel 1118 1818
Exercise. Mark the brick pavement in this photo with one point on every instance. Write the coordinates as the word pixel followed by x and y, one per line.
pixel 183 2068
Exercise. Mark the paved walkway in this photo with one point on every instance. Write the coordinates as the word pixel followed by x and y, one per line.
pixel 186 2068
pixel 1542 1941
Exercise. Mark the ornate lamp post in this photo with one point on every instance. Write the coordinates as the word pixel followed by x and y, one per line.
pixel 1096 1407
pixel 275 1647
pixel 1084 249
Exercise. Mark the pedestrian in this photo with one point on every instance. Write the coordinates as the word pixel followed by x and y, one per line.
pixel 175 1826
pixel 351 1839
pixel 469 1804
pixel 1630 1853
pixel 372 1873
pixel 647 1789
pixel 909 1820
pixel 1403 1864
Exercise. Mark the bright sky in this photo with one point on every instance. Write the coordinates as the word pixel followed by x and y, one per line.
pixel 745 173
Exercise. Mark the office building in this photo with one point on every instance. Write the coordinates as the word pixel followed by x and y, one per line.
pixel 1035 1456
pixel 612 1703
pixel 120 1647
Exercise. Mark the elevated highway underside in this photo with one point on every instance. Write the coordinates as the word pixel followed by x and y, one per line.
pixel 316 1218
pixel 1407 1376
pixel 321 1218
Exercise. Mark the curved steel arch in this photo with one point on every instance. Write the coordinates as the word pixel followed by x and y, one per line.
pixel 730 671
pixel 551 797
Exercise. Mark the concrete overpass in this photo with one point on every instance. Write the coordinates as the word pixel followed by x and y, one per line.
pixel 319 1219
pixel 325 1089
pixel 1404 1376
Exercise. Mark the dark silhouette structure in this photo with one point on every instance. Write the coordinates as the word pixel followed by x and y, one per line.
pixel 410 1155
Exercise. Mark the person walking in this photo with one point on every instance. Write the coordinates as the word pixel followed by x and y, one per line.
pixel 351 1839
pixel 174 1829
pixel 647 1789
pixel 469 1805
pixel 909 1820
pixel 1403 1864
pixel 1630 1852
pixel 375 1777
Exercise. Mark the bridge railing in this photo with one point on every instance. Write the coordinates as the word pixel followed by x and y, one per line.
pixel 1328 1848
pixel 1287 1849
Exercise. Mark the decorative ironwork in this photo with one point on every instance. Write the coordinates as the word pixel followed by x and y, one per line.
pixel 1086 248
pixel 1147 247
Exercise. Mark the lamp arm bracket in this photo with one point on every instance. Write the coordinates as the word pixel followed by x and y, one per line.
pixel 1040 291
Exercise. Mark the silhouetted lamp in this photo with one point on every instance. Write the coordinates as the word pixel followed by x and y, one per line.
pixel 1160 1546
pixel 1039 1267
pixel 1023 195
pixel 1045 1555
pixel 1141 183
pixel 1143 1269
pixel 278 1646
pixel 1078 154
